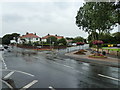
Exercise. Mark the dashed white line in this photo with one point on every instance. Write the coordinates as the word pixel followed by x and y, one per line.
pixel 65 66
pixel 68 67
pixel 4 63
pixel 9 74
pixel 29 85
pixel 108 77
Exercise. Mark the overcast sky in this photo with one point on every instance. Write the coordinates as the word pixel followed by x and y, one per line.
pixel 41 18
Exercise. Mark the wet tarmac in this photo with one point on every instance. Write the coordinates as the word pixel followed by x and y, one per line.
pixel 52 68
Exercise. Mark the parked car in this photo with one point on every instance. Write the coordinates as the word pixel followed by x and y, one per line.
pixel 74 44
pixel 6 46
pixel 1 48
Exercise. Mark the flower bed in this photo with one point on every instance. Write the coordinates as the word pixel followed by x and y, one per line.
pixel 81 52
pixel 96 55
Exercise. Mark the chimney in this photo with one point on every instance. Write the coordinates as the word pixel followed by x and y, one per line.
pixel 48 34
pixel 56 35
pixel 27 33
pixel 35 33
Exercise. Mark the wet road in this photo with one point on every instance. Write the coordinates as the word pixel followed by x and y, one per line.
pixel 44 69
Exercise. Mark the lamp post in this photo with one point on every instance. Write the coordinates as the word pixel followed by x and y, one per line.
pixel 50 43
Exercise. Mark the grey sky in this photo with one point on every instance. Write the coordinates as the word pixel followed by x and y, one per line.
pixel 41 18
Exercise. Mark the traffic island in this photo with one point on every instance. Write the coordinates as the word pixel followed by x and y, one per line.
pixel 102 60
pixel 98 57
pixel 45 49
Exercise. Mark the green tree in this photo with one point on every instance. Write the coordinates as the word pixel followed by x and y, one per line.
pixel 107 38
pixel 97 17
pixel 15 36
pixel 116 37
pixel 69 38
pixel 78 39
pixel 6 38
pixel 51 40
pixel 93 36
pixel 62 41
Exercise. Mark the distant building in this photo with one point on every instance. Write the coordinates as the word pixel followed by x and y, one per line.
pixel 29 37
pixel 44 39
pixel 13 42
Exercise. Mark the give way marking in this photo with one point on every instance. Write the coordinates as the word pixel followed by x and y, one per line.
pixel 8 75
pixel 29 85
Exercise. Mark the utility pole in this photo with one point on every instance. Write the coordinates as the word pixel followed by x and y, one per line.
pixel 50 43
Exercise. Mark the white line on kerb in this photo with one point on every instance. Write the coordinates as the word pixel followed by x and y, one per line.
pixel 108 77
pixel 9 74
pixel 29 85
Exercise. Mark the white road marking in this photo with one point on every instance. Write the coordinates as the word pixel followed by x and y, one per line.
pixel 109 77
pixel 50 87
pixel 4 63
pixel 68 67
pixel 25 73
pixel 7 84
pixel 29 85
pixel 65 66
pixel 9 74
pixel 19 72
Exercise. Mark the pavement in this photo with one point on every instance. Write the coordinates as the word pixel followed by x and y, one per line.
pixel 109 61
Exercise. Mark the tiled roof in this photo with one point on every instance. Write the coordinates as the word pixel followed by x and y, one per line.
pixel 58 37
pixel 30 35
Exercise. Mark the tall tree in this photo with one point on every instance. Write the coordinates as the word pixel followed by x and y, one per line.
pixel 6 38
pixel 97 17
pixel 93 36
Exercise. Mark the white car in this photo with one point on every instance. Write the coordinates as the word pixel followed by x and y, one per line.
pixel 74 44
pixel 1 48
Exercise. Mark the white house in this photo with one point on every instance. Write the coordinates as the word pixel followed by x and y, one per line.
pixel 29 37
pixel 12 41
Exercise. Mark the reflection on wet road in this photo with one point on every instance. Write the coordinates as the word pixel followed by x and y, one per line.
pixel 54 69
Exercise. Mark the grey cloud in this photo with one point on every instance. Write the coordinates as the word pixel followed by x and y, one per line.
pixel 42 18
pixel 12 18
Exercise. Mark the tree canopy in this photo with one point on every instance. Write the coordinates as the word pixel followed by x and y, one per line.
pixel 6 38
pixel 52 39
pixel 98 17
pixel 62 41
pixel 78 39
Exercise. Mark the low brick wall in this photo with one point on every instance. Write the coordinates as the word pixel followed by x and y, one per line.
pixel 43 47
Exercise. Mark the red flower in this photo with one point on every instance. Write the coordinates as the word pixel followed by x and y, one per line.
pixel 96 42
pixel 80 43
